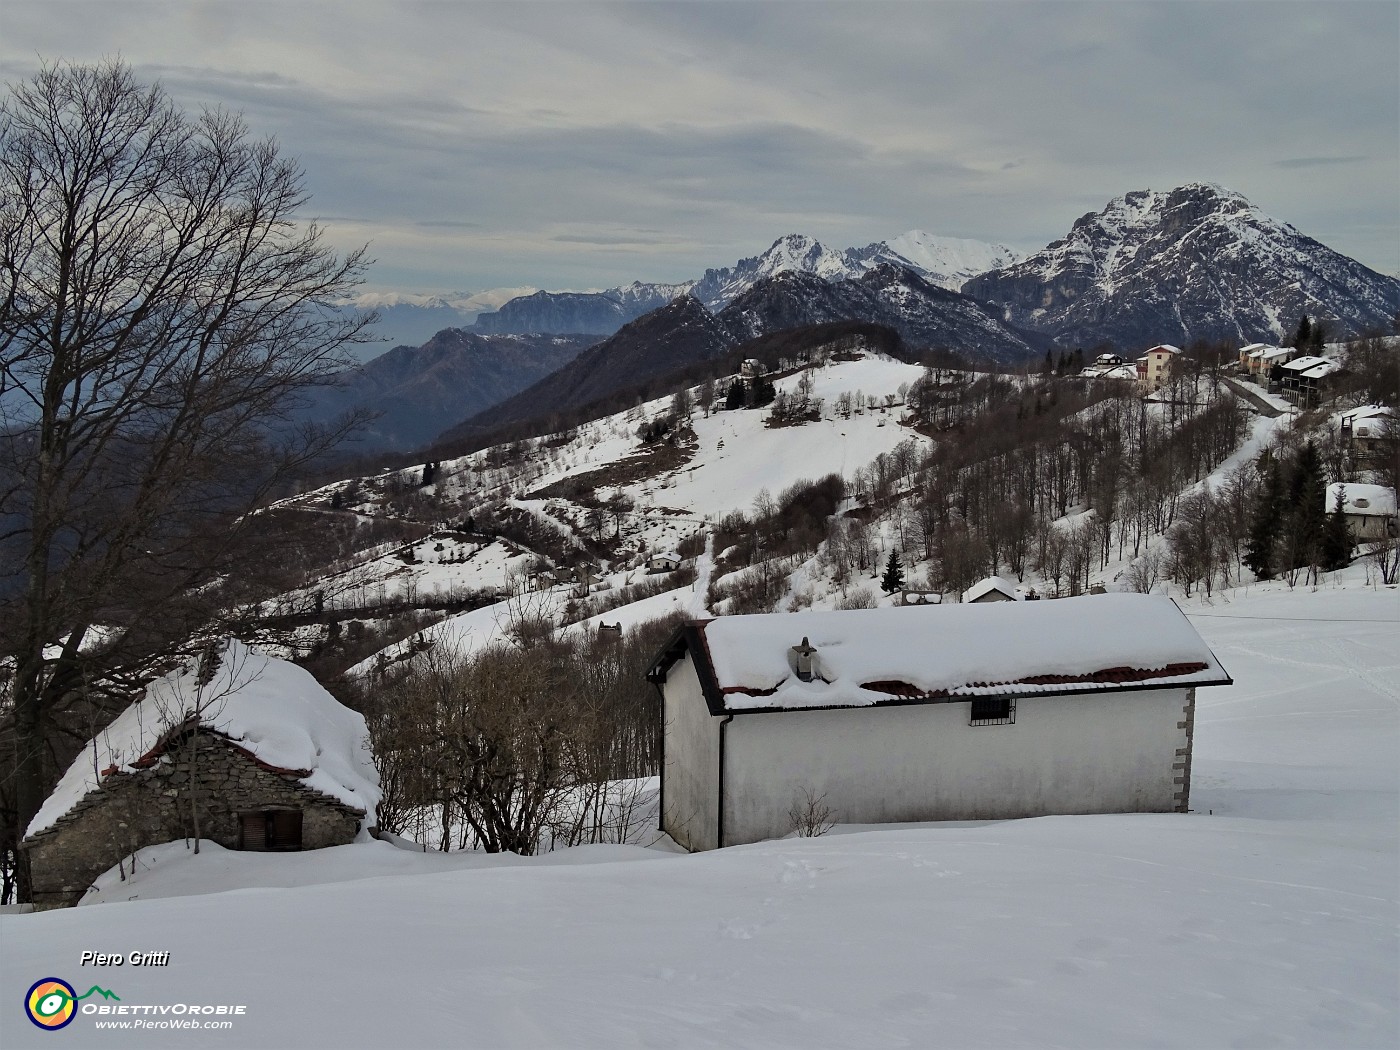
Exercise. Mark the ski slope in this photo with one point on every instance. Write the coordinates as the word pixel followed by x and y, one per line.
pixel 1266 918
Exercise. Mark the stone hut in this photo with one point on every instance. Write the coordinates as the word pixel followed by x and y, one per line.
pixel 253 750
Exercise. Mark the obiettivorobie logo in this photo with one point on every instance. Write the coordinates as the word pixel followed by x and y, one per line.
pixel 52 1003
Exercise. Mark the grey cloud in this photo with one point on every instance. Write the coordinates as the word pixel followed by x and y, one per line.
pixel 680 136
pixel 1317 162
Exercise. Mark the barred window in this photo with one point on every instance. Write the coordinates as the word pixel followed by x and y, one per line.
pixel 992 711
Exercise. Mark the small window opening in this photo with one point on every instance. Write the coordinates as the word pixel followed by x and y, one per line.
pixel 992 711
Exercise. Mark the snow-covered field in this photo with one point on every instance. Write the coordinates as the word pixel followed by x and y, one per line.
pixel 1266 918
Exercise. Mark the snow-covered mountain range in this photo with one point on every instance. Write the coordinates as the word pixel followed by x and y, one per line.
pixel 1197 261
pixel 946 262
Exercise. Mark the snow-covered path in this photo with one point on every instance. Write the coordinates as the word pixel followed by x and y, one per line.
pixel 1271 922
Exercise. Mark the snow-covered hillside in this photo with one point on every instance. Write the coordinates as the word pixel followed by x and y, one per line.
pixel 599 484
pixel 1266 917
pixel 736 457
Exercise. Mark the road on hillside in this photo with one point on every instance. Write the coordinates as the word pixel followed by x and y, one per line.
pixel 1253 397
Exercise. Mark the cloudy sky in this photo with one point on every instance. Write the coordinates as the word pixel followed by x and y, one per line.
pixel 479 146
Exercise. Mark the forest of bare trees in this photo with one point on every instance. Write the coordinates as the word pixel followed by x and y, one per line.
pixel 522 746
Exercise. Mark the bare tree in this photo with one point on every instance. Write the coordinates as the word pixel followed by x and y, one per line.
pixel 1386 552
pixel 160 309
pixel 810 816
pixel 706 397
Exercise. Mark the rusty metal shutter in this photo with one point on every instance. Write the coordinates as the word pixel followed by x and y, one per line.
pixel 252 831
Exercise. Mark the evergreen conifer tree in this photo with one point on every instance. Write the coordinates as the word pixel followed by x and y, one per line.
pixel 1306 515
pixel 1302 339
pixel 1337 540
pixel 893 579
pixel 1264 526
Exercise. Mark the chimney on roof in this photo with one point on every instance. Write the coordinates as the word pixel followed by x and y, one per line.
pixel 802 659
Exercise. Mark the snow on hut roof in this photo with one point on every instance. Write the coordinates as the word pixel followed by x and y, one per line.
pixel 1272 353
pixel 937 653
pixel 271 709
pixel 991 583
pixel 1167 347
pixel 1254 349
pixel 1363 499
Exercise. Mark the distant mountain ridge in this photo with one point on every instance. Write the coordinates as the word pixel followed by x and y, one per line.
pixel 943 261
pixel 1198 261
pixel 418 391
pixel 411 320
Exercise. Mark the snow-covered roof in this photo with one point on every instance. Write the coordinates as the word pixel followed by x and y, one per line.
pixel 1254 349
pixel 272 709
pixel 1376 500
pixel 939 653
pixel 1165 348
pixel 666 556
pixel 1109 372
pixel 1273 353
pixel 991 583
pixel 1369 412
pixel 1302 364
pixel 1326 368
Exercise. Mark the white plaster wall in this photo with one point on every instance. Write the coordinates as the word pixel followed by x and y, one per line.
pixel 1367 526
pixel 1094 753
pixel 690 739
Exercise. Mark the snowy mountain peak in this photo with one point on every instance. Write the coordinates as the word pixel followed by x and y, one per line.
pixel 1194 201
pixel 1196 261
pixel 799 252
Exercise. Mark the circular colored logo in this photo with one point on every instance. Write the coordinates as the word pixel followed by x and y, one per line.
pixel 51 1003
